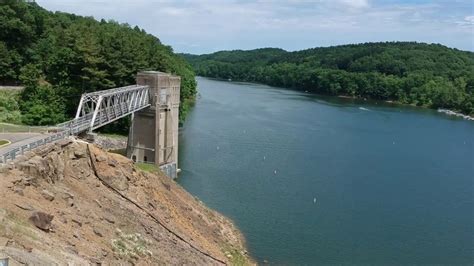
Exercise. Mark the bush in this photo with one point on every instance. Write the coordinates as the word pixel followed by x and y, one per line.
pixel 9 107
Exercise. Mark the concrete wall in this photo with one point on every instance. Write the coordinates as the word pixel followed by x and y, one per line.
pixel 153 135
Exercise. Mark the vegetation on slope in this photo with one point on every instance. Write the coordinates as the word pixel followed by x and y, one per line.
pixel 413 73
pixel 9 106
pixel 59 56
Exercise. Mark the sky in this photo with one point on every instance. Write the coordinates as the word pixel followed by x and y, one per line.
pixel 205 26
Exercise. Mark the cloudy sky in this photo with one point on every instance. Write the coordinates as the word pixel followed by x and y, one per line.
pixel 211 25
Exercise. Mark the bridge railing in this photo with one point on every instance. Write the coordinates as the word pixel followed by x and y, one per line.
pixel 14 153
pixel 96 109
pixel 103 107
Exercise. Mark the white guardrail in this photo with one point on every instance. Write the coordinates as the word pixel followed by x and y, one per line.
pixel 15 152
pixel 64 130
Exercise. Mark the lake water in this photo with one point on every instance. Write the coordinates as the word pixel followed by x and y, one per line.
pixel 311 179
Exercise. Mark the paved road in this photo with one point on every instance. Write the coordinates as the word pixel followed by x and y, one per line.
pixel 19 139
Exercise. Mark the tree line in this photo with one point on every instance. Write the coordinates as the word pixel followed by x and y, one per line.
pixel 429 75
pixel 58 56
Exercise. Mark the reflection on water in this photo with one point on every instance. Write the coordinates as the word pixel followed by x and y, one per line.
pixel 392 184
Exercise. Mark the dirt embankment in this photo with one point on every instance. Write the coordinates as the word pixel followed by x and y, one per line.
pixel 73 203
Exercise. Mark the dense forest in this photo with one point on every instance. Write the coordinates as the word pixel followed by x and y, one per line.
pixel 58 56
pixel 429 75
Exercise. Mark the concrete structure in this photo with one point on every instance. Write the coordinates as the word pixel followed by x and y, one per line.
pixel 153 136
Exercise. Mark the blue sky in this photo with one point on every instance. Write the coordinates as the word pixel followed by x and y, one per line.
pixel 211 25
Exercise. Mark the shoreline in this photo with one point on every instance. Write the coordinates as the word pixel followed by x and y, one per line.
pixel 342 96
pixel 452 113
pixel 439 110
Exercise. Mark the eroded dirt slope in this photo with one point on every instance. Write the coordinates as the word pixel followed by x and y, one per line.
pixel 72 202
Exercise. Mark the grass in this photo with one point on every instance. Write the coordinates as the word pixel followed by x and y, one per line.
pixel 130 246
pixel 4 142
pixel 18 128
pixel 122 152
pixel 13 225
pixel 235 256
pixel 147 167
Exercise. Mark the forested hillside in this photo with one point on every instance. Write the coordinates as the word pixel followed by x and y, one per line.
pixel 413 73
pixel 59 56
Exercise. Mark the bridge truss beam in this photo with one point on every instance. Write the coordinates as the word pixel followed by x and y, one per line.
pixel 99 108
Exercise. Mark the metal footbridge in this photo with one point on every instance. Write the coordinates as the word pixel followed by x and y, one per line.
pixel 96 109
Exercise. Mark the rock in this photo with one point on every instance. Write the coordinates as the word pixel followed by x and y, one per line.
pixel 24 206
pixel 72 250
pixel 66 195
pixel 63 220
pixel 29 154
pixel 14 179
pixel 109 219
pixel 116 179
pixel 79 154
pixel 95 261
pixel 167 186
pixel 152 205
pixel 44 150
pixel 98 203
pixel 100 158
pixel 97 231
pixel 70 202
pixel 76 235
pixel 47 195
pixel 56 162
pixel 63 142
pixel 30 180
pixel 112 163
pixel 71 156
pixel 41 220
pixel 19 191
pixel 77 221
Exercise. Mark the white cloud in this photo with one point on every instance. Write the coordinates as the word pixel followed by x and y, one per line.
pixel 469 20
pixel 355 3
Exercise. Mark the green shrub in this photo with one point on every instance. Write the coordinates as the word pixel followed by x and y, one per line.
pixel 9 107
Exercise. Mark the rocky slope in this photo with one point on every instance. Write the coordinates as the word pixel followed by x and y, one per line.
pixel 73 203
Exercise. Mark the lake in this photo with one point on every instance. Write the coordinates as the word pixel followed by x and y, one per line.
pixel 310 179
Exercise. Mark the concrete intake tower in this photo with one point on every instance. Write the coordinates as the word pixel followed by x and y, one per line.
pixel 153 136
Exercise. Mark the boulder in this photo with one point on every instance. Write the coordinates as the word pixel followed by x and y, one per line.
pixel 98 232
pixel 47 195
pixel 79 154
pixel 41 220
pixel 100 158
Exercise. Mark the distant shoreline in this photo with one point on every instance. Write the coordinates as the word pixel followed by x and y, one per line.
pixel 440 110
pixel 342 96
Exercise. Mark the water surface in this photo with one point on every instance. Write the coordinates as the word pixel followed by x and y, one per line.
pixel 311 179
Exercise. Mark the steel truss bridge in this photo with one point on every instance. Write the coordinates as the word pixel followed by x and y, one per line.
pixel 96 109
